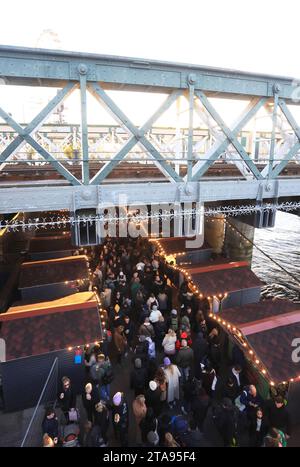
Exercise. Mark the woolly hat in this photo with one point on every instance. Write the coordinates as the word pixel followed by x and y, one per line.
pixel 117 398
pixel 174 312
pixel 184 335
pixel 153 385
pixel 167 361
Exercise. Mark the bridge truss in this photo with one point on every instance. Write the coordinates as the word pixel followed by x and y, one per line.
pixel 212 163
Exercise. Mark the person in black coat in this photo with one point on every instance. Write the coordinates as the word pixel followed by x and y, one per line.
pixel 153 398
pixel 120 418
pixel 258 428
pixel 102 419
pixel 160 332
pixel 66 397
pixel 138 378
pixel 90 398
pixel 199 407
pixel 230 390
pixel 278 415
pixel 129 331
pixel 226 418
pixel 50 424
pixel 236 375
pixel 148 423
pixel 200 348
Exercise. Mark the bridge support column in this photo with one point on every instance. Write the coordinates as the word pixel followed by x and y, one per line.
pixel 236 247
pixel 215 232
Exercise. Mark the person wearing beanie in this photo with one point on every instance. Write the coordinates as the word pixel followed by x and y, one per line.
pixel 185 359
pixel 183 336
pixel 138 377
pixel 153 395
pixel 120 418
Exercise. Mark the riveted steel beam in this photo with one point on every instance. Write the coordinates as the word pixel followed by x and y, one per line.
pixel 47 198
pixel 25 66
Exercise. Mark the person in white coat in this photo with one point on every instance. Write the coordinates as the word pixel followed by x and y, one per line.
pixel 169 342
pixel 155 315
pixel 172 374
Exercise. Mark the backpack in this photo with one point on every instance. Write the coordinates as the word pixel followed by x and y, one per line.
pixel 96 372
pixel 151 350
pixel 108 375
pixel 174 323
pixel 179 425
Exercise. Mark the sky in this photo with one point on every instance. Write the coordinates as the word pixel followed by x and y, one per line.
pixel 257 35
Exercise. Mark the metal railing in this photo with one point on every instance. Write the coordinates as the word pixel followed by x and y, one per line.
pixel 33 434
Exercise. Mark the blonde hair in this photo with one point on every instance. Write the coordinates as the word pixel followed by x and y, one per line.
pixel 170 441
pixel 47 441
pixel 65 379
pixel 140 399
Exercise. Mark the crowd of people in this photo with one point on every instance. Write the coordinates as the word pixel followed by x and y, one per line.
pixel 185 390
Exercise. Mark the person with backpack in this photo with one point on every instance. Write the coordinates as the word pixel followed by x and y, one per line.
pixel 102 375
pixel 174 321
pixel 151 348
pixel 146 329
pixel 141 351
pixel 226 418
pixel 185 359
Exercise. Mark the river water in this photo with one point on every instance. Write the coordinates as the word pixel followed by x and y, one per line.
pixel 282 243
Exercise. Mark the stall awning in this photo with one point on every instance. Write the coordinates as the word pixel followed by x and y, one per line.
pixel 268 332
pixel 53 271
pixel 48 326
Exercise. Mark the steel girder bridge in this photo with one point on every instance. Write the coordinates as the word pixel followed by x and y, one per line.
pixel 214 164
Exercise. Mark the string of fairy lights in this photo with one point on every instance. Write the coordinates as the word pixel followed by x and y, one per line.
pixel 63 221
pixel 227 326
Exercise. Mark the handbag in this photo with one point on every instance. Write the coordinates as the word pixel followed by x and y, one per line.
pixel 73 415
